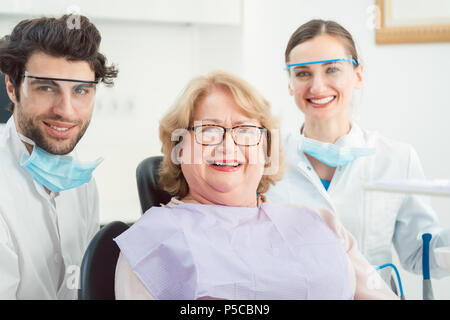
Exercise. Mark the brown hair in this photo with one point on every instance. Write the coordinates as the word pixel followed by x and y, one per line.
pixel 53 36
pixel 181 115
pixel 316 27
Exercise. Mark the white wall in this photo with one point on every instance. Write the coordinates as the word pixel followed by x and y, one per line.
pixel 405 95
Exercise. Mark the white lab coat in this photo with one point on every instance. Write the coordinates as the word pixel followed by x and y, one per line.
pixel 376 219
pixel 42 237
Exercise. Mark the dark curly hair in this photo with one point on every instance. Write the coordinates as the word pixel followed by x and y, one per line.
pixel 55 37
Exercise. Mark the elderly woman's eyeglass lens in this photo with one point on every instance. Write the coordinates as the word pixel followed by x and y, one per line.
pixel 50 91
pixel 210 135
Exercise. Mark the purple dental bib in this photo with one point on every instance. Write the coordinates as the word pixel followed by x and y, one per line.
pixel 192 251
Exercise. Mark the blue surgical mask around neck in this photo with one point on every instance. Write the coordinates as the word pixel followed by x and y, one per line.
pixel 332 154
pixel 56 172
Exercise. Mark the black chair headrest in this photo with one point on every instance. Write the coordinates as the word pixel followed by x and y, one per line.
pixel 150 194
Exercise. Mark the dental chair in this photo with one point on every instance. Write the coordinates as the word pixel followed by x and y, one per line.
pixel 99 261
pixel 98 267
pixel 150 193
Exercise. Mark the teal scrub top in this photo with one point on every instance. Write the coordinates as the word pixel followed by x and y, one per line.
pixel 325 183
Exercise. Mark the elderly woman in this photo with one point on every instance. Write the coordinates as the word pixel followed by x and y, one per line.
pixel 217 238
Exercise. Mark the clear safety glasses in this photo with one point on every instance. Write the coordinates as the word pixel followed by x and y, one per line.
pixel 334 72
pixel 48 92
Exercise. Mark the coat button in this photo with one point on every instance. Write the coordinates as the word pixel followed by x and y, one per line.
pixel 309 168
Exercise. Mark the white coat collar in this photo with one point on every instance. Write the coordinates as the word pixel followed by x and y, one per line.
pixel 18 149
pixel 10 134
pixel 355 138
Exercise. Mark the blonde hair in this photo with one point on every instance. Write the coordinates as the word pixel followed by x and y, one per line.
pixel 181 115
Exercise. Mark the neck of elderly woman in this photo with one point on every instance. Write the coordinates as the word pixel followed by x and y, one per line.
pixel 224 200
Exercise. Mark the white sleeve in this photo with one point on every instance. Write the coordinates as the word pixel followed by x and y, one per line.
pixel 93 214
pixel 9 266
pixel 416 217
pixel 366 282
pixel 127 285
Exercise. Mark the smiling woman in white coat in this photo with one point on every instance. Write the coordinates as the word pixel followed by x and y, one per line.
pixel 331 158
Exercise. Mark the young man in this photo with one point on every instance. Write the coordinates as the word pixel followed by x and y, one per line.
pixel 48 200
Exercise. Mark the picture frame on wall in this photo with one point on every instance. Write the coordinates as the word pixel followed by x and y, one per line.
pixel 412 21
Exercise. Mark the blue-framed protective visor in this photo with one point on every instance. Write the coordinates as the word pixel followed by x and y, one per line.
pixel 288 66
pixel 331 72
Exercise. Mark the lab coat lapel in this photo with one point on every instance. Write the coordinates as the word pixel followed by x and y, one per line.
pixel 355 138
pixel 305 167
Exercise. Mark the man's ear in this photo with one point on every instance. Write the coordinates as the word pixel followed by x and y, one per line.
pixel 10 89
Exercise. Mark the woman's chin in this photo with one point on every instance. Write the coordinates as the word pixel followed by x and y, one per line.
pixel 322 114
pixel 234 201
pixel 224 183
pixel 232 196
pixel 225 189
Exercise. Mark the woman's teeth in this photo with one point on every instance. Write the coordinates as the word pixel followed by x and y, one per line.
pixel 221 164
pixel 322 101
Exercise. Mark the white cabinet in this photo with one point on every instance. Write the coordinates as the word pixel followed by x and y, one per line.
pixel 164 11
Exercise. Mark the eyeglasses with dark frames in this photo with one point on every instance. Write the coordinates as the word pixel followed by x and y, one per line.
pixel 243 135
